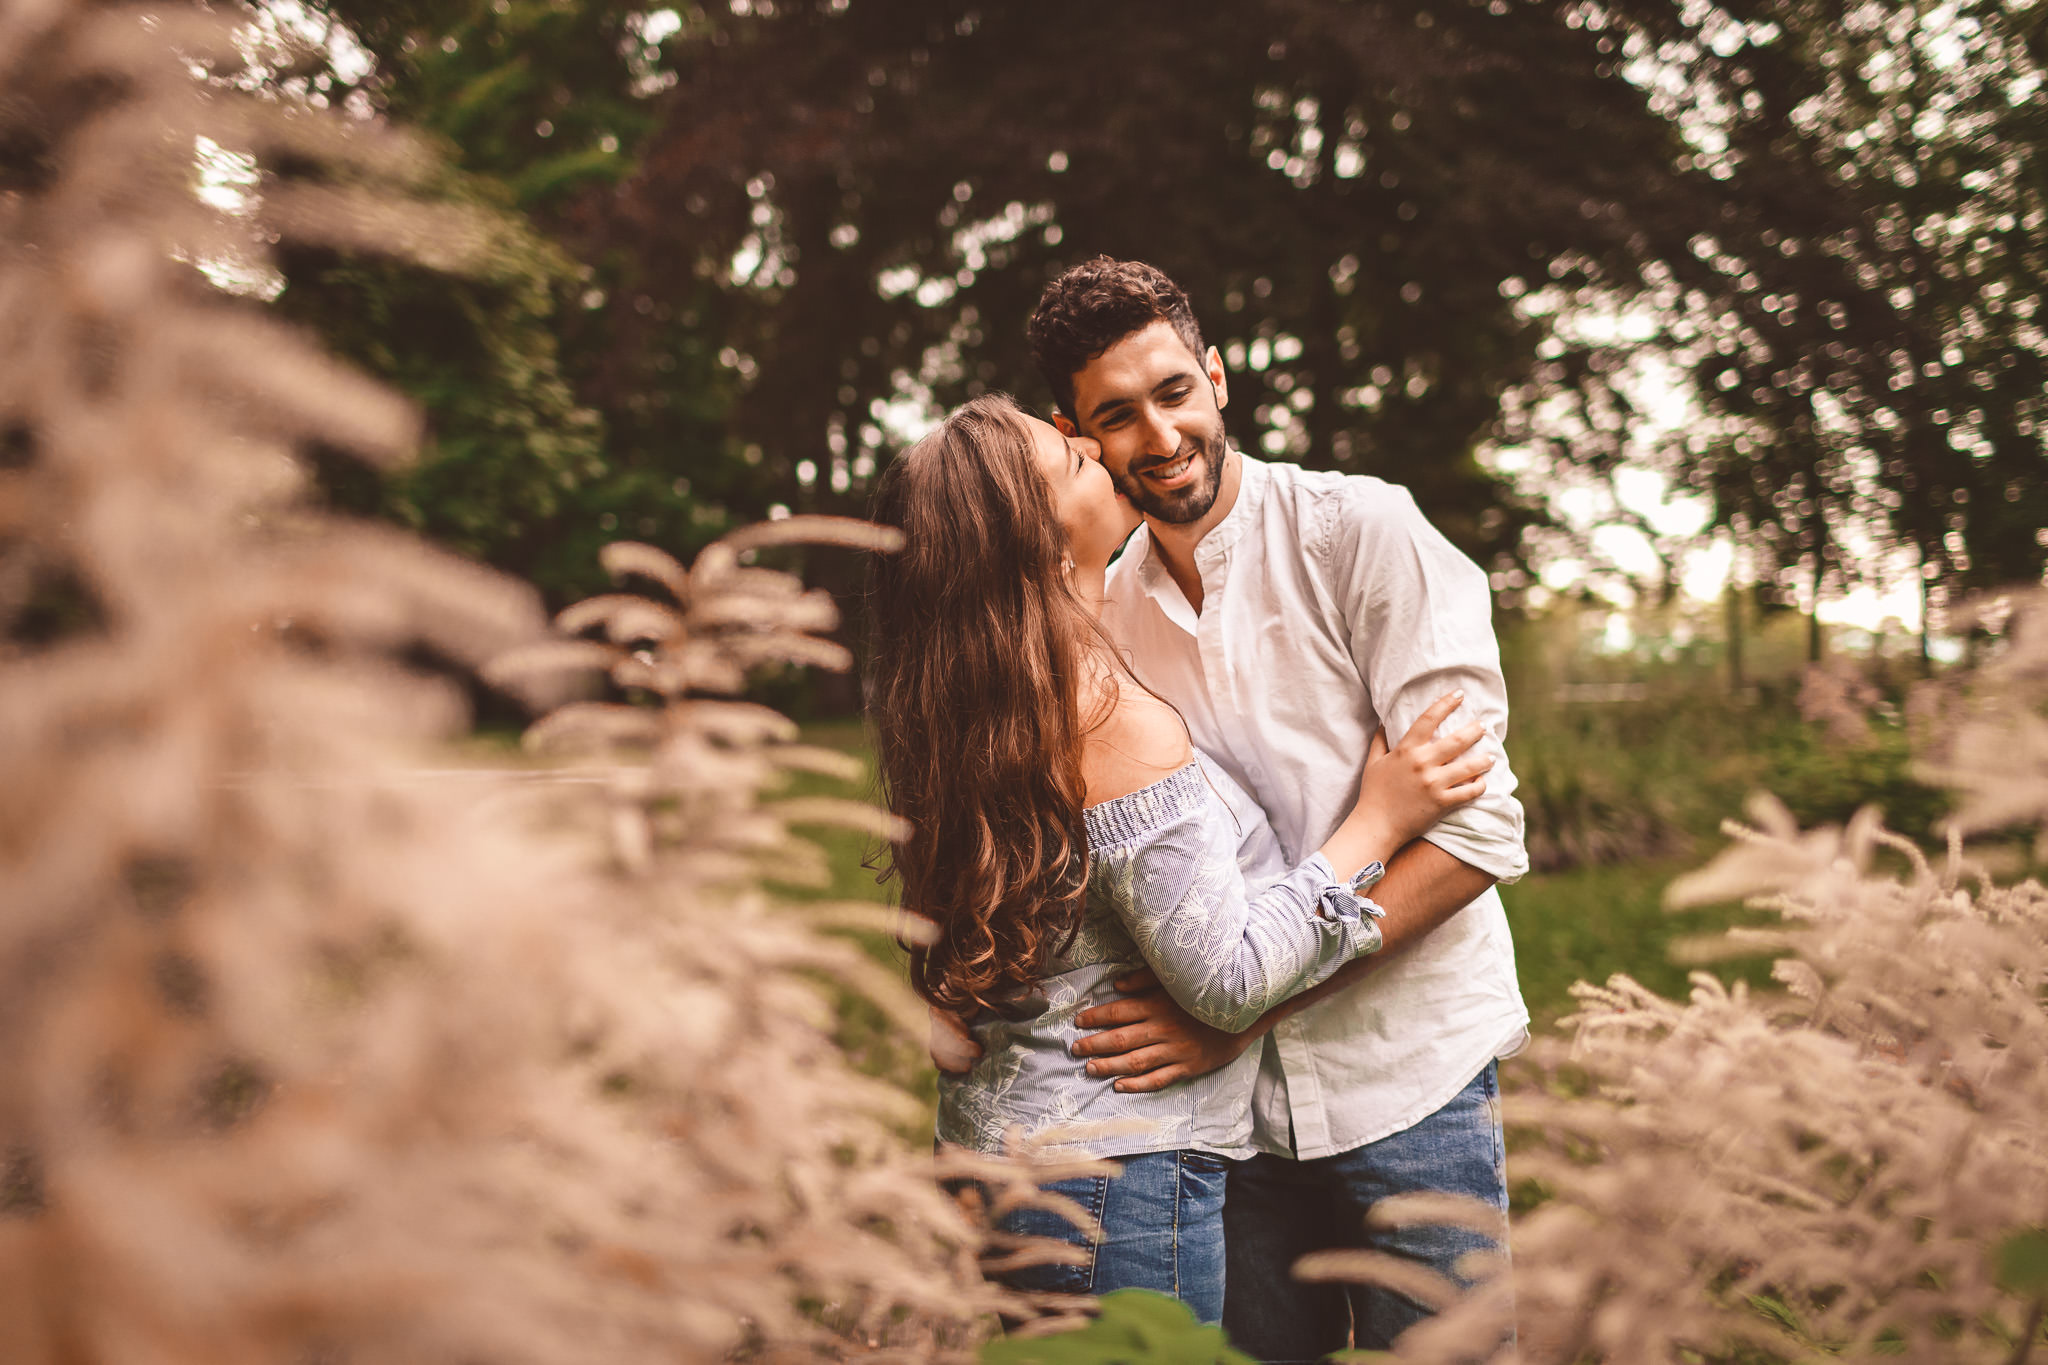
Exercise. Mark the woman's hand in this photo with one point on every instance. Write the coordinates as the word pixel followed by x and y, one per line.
pixel 1408 788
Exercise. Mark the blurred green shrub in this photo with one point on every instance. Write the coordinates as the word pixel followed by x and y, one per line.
pixel 1603 782
pixel 1638 753
pixel 1135 1325
pixel 1825 782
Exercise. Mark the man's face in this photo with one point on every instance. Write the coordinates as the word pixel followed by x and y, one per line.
pixel 1155 407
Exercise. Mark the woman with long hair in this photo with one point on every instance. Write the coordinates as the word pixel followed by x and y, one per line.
pixel 1062 832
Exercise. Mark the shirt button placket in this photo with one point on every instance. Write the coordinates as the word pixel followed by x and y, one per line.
pixel 1304 1091
pixel 1219 670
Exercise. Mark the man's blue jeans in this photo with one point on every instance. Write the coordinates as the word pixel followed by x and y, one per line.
pixel 1280 1210
pixel 1162 1228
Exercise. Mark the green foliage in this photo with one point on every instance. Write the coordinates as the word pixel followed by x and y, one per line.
pixel 1135 1327
pixel 510 455
pixel 1641 754
pixel 548 434
pixel 1857 315
pixel 543 97
pixel 1621 795
pixel 2020 1263
pixel 1609 782
pixel 1824 782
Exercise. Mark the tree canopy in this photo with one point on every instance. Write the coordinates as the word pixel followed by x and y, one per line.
pixel 775 232
pixel 1861 313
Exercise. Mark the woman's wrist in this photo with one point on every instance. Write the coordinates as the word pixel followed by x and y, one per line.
pixel 1362 839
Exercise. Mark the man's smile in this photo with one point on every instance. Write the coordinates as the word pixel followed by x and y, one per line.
pixel 1172 474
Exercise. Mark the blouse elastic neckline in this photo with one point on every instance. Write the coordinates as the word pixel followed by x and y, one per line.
pixel 1122 819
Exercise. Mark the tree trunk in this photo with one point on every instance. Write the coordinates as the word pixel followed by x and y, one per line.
pixel 1731 597
pixel 1926 656
pixel 1813 631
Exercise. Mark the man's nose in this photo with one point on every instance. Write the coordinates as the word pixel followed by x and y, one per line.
pixel 1161 437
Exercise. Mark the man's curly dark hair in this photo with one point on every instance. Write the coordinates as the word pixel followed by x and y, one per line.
pixel 1094 306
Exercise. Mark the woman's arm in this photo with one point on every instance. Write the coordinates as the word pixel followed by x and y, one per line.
pixel 1163 852
pixel 1149 1041
pixel 1165 859
pixel 1167 853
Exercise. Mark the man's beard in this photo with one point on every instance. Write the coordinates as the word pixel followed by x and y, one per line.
pixel 1180 506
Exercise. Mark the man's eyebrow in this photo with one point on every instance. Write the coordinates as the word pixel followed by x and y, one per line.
pixel 1108 405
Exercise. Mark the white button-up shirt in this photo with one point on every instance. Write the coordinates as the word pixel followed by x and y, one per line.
pixel 1330 607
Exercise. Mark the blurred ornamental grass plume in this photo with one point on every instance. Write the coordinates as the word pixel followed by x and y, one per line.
pixel 1853 1169
pixel 307 1051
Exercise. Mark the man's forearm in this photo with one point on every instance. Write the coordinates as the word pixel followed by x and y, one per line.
pixel 1424 886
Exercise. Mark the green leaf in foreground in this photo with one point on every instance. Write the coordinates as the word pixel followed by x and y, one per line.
pixel 2020 1263
pixel 1135 1327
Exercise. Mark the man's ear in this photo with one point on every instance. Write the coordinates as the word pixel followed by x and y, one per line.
pixel 1065 424
pixel 1213 363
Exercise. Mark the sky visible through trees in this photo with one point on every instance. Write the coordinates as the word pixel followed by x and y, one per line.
pixel 1552 265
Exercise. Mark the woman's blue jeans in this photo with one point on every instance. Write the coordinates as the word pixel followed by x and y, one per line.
pixel 1162 1229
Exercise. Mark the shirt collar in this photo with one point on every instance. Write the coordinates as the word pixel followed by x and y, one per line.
pixel 1152 580
pixel 1143 552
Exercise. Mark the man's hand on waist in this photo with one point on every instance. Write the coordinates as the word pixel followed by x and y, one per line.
pixel 952 1045
pixel 1149 1042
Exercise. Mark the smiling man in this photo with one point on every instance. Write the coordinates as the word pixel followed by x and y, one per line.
pixel 1289 614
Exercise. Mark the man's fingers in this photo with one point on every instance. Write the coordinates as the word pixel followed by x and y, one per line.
pixel 1137 982
pixel 1131 1009
pixel 1110 1042
pixel 1153 1080
pixel 952 1047
pixel 1424 728
pixel 1143 1059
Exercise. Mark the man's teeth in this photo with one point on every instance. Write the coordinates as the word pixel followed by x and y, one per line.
pixel 1171 471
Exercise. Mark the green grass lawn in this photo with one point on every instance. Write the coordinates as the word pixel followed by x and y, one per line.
pixel 1587 923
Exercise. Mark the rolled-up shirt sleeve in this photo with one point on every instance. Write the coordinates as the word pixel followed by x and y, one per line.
pixel 1421 620
pixel 1166 860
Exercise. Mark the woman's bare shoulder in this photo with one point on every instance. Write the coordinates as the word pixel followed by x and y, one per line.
pixel 1138 742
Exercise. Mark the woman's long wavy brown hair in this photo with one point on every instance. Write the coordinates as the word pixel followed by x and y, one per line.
pixel 979 650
